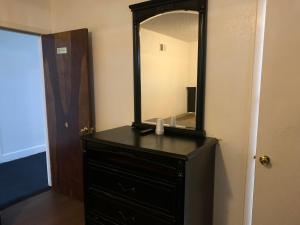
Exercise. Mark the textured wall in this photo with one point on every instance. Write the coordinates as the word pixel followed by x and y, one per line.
pixel 29 15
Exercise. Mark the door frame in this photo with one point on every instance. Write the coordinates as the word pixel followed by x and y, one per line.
pixel 48 163
pixel 255 106
pixel 48 160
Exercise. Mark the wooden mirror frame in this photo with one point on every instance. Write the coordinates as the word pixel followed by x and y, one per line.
pixel 145 10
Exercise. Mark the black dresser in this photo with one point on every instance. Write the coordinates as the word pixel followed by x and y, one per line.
pixel 132 179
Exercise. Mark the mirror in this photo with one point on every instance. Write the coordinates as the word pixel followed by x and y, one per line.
pixel 169 68
pixel 169 52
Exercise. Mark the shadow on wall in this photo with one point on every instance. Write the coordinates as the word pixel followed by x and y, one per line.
pixel 92 86
pixel 222 190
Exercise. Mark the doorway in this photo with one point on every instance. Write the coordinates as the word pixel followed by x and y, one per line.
pixel 24 152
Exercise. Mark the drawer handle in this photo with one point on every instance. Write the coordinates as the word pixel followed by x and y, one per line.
pixel 126 189
pixel 128 154
pixel 126 218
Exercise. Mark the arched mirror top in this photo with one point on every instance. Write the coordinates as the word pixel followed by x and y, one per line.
pixel 145 10
pixel 179 24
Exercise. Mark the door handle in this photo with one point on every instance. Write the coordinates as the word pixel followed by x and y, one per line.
pixel 86 130
pixel 126 189
pixel 265 160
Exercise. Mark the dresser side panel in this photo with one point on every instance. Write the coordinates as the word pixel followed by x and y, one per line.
pixel 199 190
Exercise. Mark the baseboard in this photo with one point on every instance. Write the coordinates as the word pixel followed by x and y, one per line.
pixel 23 198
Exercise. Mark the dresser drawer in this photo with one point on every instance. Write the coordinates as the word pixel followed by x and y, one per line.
pixel 148 192
pixel 107 211
pixel 135 162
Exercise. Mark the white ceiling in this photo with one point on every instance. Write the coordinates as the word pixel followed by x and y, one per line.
pixel 180 25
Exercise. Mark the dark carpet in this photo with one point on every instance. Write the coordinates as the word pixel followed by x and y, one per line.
pixel 22 178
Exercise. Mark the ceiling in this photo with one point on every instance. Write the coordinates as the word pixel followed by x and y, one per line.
pixel 181 25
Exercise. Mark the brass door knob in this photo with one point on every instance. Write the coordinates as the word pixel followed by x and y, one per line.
pixel 265 160
pixel 84 130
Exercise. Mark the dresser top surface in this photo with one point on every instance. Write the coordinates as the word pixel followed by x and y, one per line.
pixel 127 136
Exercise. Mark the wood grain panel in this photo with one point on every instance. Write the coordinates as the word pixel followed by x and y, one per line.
pixel 69 108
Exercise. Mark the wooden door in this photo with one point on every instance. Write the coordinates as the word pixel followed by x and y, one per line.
pixel 69 110
pixel 277 184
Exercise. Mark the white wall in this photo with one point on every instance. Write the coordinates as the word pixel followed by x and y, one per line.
pixel 29 15
pixel 164 75
pixel 230 60
pixel 22 112
pixel 193 64
pixel 230 53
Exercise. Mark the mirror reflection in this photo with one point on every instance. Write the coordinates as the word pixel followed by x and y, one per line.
pixel 169 58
